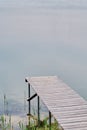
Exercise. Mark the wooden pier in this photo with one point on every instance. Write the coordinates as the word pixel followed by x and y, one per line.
pixel 68 107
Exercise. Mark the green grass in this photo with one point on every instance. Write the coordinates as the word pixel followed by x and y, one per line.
pixel 44 126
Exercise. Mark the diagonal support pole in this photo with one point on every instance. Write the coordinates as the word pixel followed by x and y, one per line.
pixel 32 97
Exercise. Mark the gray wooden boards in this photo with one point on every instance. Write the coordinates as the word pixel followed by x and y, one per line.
pixel 68 107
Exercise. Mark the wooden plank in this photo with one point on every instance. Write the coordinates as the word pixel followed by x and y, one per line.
pixel 75 112
pixel 54 104
pixel 73 120
pixel 70 108
pixel 74 125
pixel 85 128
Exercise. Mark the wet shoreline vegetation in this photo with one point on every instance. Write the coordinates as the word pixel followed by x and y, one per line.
pixel 6 124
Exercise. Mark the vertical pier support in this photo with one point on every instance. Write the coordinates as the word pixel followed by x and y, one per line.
pixel 38 105
pixel 29 104
pixel 49 120
pixel 29 97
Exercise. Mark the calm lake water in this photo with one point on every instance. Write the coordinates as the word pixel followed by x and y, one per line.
pixel 41 38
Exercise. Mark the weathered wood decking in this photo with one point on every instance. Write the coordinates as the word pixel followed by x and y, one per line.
pixel 69 109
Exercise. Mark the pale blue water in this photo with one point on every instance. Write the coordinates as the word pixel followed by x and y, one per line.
pixel 42 38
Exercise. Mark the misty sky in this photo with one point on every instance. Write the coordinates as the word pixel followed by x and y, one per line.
pixel 43 37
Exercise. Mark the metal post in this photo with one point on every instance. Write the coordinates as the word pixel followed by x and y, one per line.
pixel 29 97
pixel 49 120
pixel 38 105
pixel 29 105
